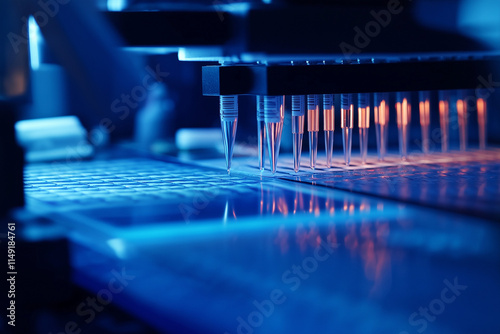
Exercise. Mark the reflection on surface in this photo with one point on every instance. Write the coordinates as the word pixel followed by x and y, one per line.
pixel 450 182
pixel 277 201
pixel 387 260
pixel 365 239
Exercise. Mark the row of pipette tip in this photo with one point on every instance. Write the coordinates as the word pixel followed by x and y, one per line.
pixel 271 112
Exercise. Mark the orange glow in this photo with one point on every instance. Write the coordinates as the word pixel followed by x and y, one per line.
pixel 403 110
pixel 460 108
pixel 318 241
pixel 329 119
pixel 381 113
pixel 364 117
pixel 481 110
pixel 314 206
pixel 382 279
pixel 462 123
pixel 481 120
pixel 15 83
pixel 298 202
pixel 424 108
pixel 330 207
pixel 442 105
pixel 368 256
pixel 444 110
pixel 282 206
pixel 313 119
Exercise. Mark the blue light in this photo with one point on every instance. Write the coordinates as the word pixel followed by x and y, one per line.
pixel 34 37
pixel 479 19
pixel 116 5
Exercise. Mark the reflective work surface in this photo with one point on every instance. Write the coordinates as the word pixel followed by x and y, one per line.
pixel 466 182
pixel 261 255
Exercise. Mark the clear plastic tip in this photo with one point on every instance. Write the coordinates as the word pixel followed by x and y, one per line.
pixel 462 119
pixel 444 119
pixel 347 143
pixel 424 110
pixel 274 112
pixel 329 148
pixel 297 150
pixel 261 132
pixel 328 126
pixel 363 124
pixel 381 115
pixel 313 148
pixel 346 122
pixel 403 111
pixel 261 138
pixel 298 112
pixel 481 120
pixel 229 122
pixel 274 131
pixel 313 127
pixel 363 144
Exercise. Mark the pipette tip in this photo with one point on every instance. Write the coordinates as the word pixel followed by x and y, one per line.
pixel 261 144
pixel 274 131
pixel 313 148
pixel 403 142
pixel 329 148
pixel 363 144
pixel 297 150
pixel 347 143
pixel 228 136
